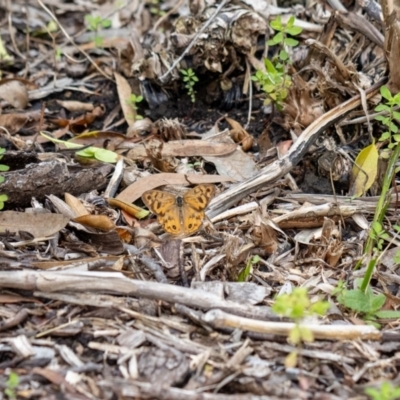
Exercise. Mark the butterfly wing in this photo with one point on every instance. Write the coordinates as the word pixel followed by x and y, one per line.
pixel 171 221
pixel 158 202
pixel 192 219
pixel 164 205
pixel 199 197
pixel 195 201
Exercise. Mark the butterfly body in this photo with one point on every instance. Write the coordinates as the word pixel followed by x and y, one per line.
pixel 180 215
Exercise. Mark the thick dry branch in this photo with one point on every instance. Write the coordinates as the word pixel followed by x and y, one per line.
pixel 116 283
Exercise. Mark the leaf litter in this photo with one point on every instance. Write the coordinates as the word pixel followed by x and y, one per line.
pixel 102 102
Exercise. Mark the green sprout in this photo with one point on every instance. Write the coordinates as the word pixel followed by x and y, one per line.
pixel 385 392
pixel 133 101
pixel 245 273
pixel 155 8
pixel 11 384
pixel 297 306
pixel 391 134
pixel 189 76
pixel 94 24
pixel 275 80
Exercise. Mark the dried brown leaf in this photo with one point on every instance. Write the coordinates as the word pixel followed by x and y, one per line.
pixel 136 189
pixel 39 225
pixel 14 92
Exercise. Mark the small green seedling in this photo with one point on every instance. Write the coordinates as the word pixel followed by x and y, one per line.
pixel 94 24
pixel 367 304
pixel 247 270
pixel 133 101
pixel 385 392
pixel 3 168
pixel 155 8
pixel 190 79
pixel 297 306
pixel 11 386
pixel 275 80
pixel 4 56
pixel 378 235
pixel 390 119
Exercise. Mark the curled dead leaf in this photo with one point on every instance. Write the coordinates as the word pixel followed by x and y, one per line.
pixel 240 135
pixel 100 222
pixel 14 92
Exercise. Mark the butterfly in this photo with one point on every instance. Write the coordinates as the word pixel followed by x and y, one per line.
pixel 180 215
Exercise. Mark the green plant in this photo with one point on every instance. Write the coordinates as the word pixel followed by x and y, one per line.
pixel 155 8
pixel 378 235
pixel 244 274
pixel 94 24
pixel 365 303
pixel 3 168
pixel 373 245
pixel 133 101
pixel 385 392
pixel 12 383
pixel 391 134
pixel 189 76
pixel 297 306
pixel 275 80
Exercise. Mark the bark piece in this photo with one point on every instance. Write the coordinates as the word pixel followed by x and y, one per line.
pixel 52 177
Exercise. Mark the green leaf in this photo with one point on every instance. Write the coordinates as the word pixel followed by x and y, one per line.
pixel 276 24
pixel 306 334
pixel 356 300
pixel 384 136
pixel 396 258
pixel 294 335
pixel 388 314
pixel 291 42
pixel 377 302
pixel 245 273
pixel 2 179
pixel 385 92
pixel 4 168
pixel 320 307
pixel 278 38
pixel 294 31
pixel 272 42
pixel 393 127
pixel 382 107
pixel 13 380
pixel 290 23
pixel 283 55
pixel 105 23
pixel 269 66
pixel 99 154
pixel 2 150
pixel 3 197
pixel 396 115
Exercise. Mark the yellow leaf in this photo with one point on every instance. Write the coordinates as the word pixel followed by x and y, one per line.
pixel 364 170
